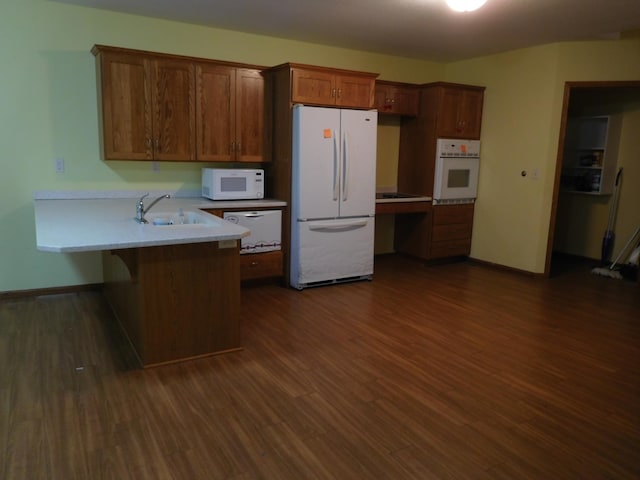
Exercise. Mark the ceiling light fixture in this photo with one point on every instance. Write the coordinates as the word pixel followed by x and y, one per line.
pixel 465 5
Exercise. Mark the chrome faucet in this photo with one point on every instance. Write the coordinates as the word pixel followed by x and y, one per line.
pixel 141 211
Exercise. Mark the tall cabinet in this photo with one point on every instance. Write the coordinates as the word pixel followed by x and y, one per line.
pixel 446 110
pixel 294 83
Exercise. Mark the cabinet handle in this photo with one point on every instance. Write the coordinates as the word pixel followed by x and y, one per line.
pixel 157 144
pixel 149 143
pixel 238 147
pixel 333 92
pixel 232 147
pixel 339 92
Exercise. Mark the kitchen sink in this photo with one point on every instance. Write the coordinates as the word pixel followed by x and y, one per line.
pixel 181 218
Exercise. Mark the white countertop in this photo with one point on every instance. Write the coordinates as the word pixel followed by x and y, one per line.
pixel 80 224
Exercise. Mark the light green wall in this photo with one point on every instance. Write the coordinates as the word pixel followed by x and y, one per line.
pixel 520 131
pixel 48 109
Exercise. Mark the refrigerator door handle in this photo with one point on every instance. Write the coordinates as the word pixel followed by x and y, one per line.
pixel 345 166
pixel 336 185
pixel 338 225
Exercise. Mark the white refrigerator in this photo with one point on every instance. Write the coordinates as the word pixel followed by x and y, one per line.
pixel 333 195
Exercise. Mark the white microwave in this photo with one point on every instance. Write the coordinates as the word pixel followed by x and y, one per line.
pixel 232 183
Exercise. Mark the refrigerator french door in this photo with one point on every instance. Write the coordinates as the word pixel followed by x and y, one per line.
pixel 333 195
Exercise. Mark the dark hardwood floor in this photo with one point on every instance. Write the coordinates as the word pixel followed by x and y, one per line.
pixel 443 372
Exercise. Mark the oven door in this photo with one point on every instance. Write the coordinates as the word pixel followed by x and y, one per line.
pixel 456 180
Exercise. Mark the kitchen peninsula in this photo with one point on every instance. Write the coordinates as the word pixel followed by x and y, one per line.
pixel 174 288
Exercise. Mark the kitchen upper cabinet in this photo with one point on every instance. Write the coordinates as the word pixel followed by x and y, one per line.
pixel 147 106
pixel 331 87
pixel 458 109
pixel 395 98
pixel 230 112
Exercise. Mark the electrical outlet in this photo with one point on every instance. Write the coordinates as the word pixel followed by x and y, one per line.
pixel 59 165
pixel 155 167
pixel 535 174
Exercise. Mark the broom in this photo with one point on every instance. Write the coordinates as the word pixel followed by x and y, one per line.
pixel 611 271
pixel 609 235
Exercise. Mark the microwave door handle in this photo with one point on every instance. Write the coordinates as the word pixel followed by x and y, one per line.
pixel 335 168
pixel 253 215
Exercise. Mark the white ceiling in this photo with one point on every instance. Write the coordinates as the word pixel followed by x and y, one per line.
pixel 423 29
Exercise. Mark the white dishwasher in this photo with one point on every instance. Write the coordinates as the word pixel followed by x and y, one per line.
pixel 265 226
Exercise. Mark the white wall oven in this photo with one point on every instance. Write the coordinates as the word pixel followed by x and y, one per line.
pixel 456 175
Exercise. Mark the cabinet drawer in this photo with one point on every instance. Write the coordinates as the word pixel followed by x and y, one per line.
pixel 448 214
pixel 450 248
pixel 261 265
pixel 452 232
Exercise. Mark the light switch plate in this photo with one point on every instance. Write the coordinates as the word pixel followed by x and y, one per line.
pixel 59 165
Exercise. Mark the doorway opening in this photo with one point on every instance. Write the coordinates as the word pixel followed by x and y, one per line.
pixel 579 214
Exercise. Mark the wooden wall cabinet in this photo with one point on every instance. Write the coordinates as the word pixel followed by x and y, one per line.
pixel 446 232
pixel 332 87
pixel 230 112
pixel 457 109
pixel 147 109
pixel 394 98
pixel 166 107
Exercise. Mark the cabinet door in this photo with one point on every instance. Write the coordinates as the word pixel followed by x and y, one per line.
pixel 460 113
pixel 313 87
pixel 215 112
pixel 396 100
pixel 471 113
pixel 449 123
pixel 126 107
pixel 250 116
pixel 174 110
pixel 354 91
pixel 381 97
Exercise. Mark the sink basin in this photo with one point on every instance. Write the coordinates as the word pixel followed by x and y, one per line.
pixel 186 218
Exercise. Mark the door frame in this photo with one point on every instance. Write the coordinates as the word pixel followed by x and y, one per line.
pixel 569 87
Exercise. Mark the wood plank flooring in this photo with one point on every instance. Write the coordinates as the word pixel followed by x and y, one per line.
pixel 442 372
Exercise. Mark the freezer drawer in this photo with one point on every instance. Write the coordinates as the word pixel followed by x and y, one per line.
pixel 331 251
pixel 265 226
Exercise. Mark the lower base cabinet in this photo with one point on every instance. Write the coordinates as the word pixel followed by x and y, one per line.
pixel 261 265
pixel 442 231
pixel 451 231
pixel 255 266
pixel 176 302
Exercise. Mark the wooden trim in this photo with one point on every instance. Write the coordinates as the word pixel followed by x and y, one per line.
pixel 96 49
pixel 319 68
pixel 504 268
pixel 453 85
pixel 37 292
